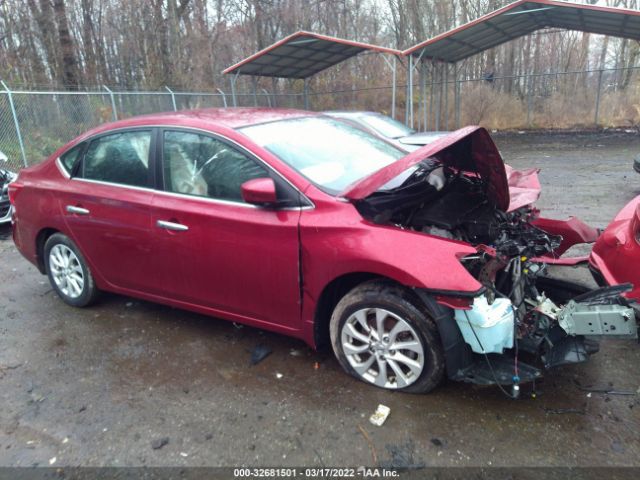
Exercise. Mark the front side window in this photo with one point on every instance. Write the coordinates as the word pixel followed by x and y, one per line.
pixel 330 153
pixel 119 158
pixel 204 166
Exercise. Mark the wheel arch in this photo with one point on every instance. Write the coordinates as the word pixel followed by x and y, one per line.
pixel 41 238
pixel 334 291
pixel 457 353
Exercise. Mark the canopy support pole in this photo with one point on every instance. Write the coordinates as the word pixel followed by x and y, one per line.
pixel 410 93
pixel 232 80
pixel 406 99
pixel 274 89
pixel 254 84
pixel 393 87
pixel 423 82
pixel 432 87
pixel 598 93
pixel 392 66
pixel 412 65
pixel 439 105
pixel 305 93
pixel 529 98
pixel 446 96
pixel 457 97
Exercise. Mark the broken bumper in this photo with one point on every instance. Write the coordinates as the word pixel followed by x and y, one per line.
pixel 571 338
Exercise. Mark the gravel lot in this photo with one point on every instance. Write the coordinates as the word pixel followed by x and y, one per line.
pixel 132 383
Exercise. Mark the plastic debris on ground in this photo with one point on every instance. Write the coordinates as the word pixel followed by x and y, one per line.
pixel 259 353
pixel 380 415
pixel 159 443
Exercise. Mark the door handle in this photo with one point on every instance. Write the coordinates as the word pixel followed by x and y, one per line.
pixel 176 227
pixel 77 210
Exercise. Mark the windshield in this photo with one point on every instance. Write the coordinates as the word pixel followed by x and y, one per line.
pixel 330 153
pixel 386 126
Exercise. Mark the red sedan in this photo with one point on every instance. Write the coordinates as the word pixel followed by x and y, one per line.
pixel 413 267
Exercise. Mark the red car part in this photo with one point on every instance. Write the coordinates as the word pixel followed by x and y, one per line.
pixel 616 255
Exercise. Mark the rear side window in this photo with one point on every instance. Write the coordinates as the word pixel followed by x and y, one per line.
pixel 69 158
pixel 119 158
pixel 204 166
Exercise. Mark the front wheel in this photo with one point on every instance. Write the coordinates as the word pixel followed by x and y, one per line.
pixel 380 335
pixel 68 271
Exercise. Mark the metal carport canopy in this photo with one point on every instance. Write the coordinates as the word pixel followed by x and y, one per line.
pixel 302 55
pixel 521 18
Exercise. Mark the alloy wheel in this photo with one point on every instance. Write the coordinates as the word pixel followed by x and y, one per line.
pixel 66 271
pixel 382 348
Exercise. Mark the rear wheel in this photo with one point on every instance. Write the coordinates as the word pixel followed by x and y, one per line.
pixel 68 271
pixel 380 335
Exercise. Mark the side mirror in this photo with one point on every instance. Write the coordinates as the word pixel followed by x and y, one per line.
pixel 259 191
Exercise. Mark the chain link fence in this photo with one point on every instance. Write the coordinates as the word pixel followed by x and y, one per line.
pixel 33 124
pixel 579 99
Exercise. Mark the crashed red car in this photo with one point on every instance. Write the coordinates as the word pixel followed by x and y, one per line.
pixel 413 267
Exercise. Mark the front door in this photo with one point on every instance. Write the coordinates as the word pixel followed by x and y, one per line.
pixel 213 249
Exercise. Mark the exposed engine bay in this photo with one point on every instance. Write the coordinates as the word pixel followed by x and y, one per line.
pixel 438 201
pixel 523 312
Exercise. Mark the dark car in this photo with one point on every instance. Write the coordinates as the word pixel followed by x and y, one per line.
pixel 412 267
pixel 6 177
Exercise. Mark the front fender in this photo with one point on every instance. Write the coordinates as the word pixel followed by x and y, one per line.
pixel 335 242
pixel 410 258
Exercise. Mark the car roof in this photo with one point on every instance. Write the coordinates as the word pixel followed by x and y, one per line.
pixel 235 117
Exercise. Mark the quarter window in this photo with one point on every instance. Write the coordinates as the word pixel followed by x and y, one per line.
pixel 119 158
pixel 70 158
pixel 201 165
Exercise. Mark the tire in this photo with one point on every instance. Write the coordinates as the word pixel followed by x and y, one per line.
pixel 362 352
pixel 68 271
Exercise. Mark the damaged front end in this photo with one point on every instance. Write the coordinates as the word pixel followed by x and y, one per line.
pixel 539 327
pixel 525 321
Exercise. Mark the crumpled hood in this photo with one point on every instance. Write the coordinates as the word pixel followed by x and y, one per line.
pixel 469 149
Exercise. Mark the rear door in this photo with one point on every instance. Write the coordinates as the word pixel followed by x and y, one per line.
pixel 215 250
pixel 106 206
